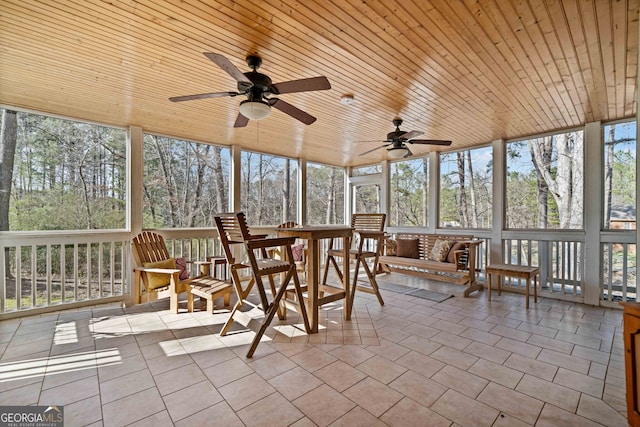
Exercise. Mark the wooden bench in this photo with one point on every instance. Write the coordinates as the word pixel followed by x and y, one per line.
pixel 513 270
pixel 457 271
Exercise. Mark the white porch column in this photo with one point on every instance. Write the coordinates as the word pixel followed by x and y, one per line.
pixel 301 214
pixel 593 215
pixel 235 178
pixel 434 191
pixel 348 196
pixel 135 146
pixel 385 189
pixel 498 214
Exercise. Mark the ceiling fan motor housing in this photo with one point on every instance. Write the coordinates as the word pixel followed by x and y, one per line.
pixel 260 84
pixel 395 136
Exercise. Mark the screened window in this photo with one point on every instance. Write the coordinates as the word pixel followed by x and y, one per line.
pixel 366 170
pixel 545 182
pixel 466 188
pixel 268 188
pixel 66 175
pixel 325 194
pixel 409 193
pixel 185 182
pixel 620 176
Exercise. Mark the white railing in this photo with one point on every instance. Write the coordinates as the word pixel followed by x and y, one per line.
pixel 560 256
pixel 45 271
pixel 619 268
pixel 48 270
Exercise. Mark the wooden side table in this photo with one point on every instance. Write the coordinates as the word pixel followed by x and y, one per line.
pixel 213 262
pixel 512 270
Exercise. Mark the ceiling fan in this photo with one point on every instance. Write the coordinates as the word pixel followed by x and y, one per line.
pixel 258 88
pixel 397 139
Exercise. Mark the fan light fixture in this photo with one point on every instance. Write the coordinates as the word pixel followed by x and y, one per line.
pixel 255 110
pixel 398 153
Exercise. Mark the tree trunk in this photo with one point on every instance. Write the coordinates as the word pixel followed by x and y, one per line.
pixel 541 156
pixel 218 177
pixel 331 203
pixel 166 176
pixel 472 193
pixel 608 178
pixel 201 158
pixel 8 141
pixel 462 200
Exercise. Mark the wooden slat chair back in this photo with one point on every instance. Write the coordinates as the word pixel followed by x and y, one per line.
pixel 366 244
pixel 228 226
pixel 150 248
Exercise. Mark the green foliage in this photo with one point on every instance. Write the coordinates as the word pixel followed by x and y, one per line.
pixel 325 194
pixel 407 193
pixel 67 176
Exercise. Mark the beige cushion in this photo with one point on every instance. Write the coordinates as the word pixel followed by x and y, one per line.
pixel 408 248
pixel 158 280
pixel 457 246
pixel 440 250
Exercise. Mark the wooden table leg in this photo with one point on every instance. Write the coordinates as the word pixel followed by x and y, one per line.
pixel 489 293
pixel 348 304
pixel 313 283
pixel 527 293
pixel 535 288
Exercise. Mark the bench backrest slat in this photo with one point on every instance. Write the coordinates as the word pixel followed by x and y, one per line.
pixel 426 241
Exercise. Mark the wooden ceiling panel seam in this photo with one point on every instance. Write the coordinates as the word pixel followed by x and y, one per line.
pixel 631 57
pixel 483 89
pixel 345 31
pixel 518 51
pixel 557 55
pixel 539 43
pixel 606 38
pixel 591 34
pixel 436 23
pixel 560 22
pixel 540 115
pixel 575 28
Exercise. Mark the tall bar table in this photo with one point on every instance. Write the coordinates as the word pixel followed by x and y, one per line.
pixel 313 234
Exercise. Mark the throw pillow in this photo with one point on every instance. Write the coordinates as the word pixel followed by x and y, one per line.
pixel 298 252
pixel 181 263
pixel 390 247
pixel 457 246
pixel 440 250
pixel 158 280
pixel 408 248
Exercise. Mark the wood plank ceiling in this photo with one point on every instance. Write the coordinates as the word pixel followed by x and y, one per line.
pixel 472 71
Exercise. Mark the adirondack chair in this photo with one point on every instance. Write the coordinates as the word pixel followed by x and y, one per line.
pixel 156 275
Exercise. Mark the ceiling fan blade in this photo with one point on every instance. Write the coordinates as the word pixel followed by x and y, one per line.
pixel 373 149
pixel 409 153
pixel 227 66
pixel 429 141
pixel 411 134
pixel 241 121
pixel 302 85
pixel 202 96
pixel 294 112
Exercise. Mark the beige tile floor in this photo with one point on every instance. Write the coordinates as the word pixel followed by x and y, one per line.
pixel 462 362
